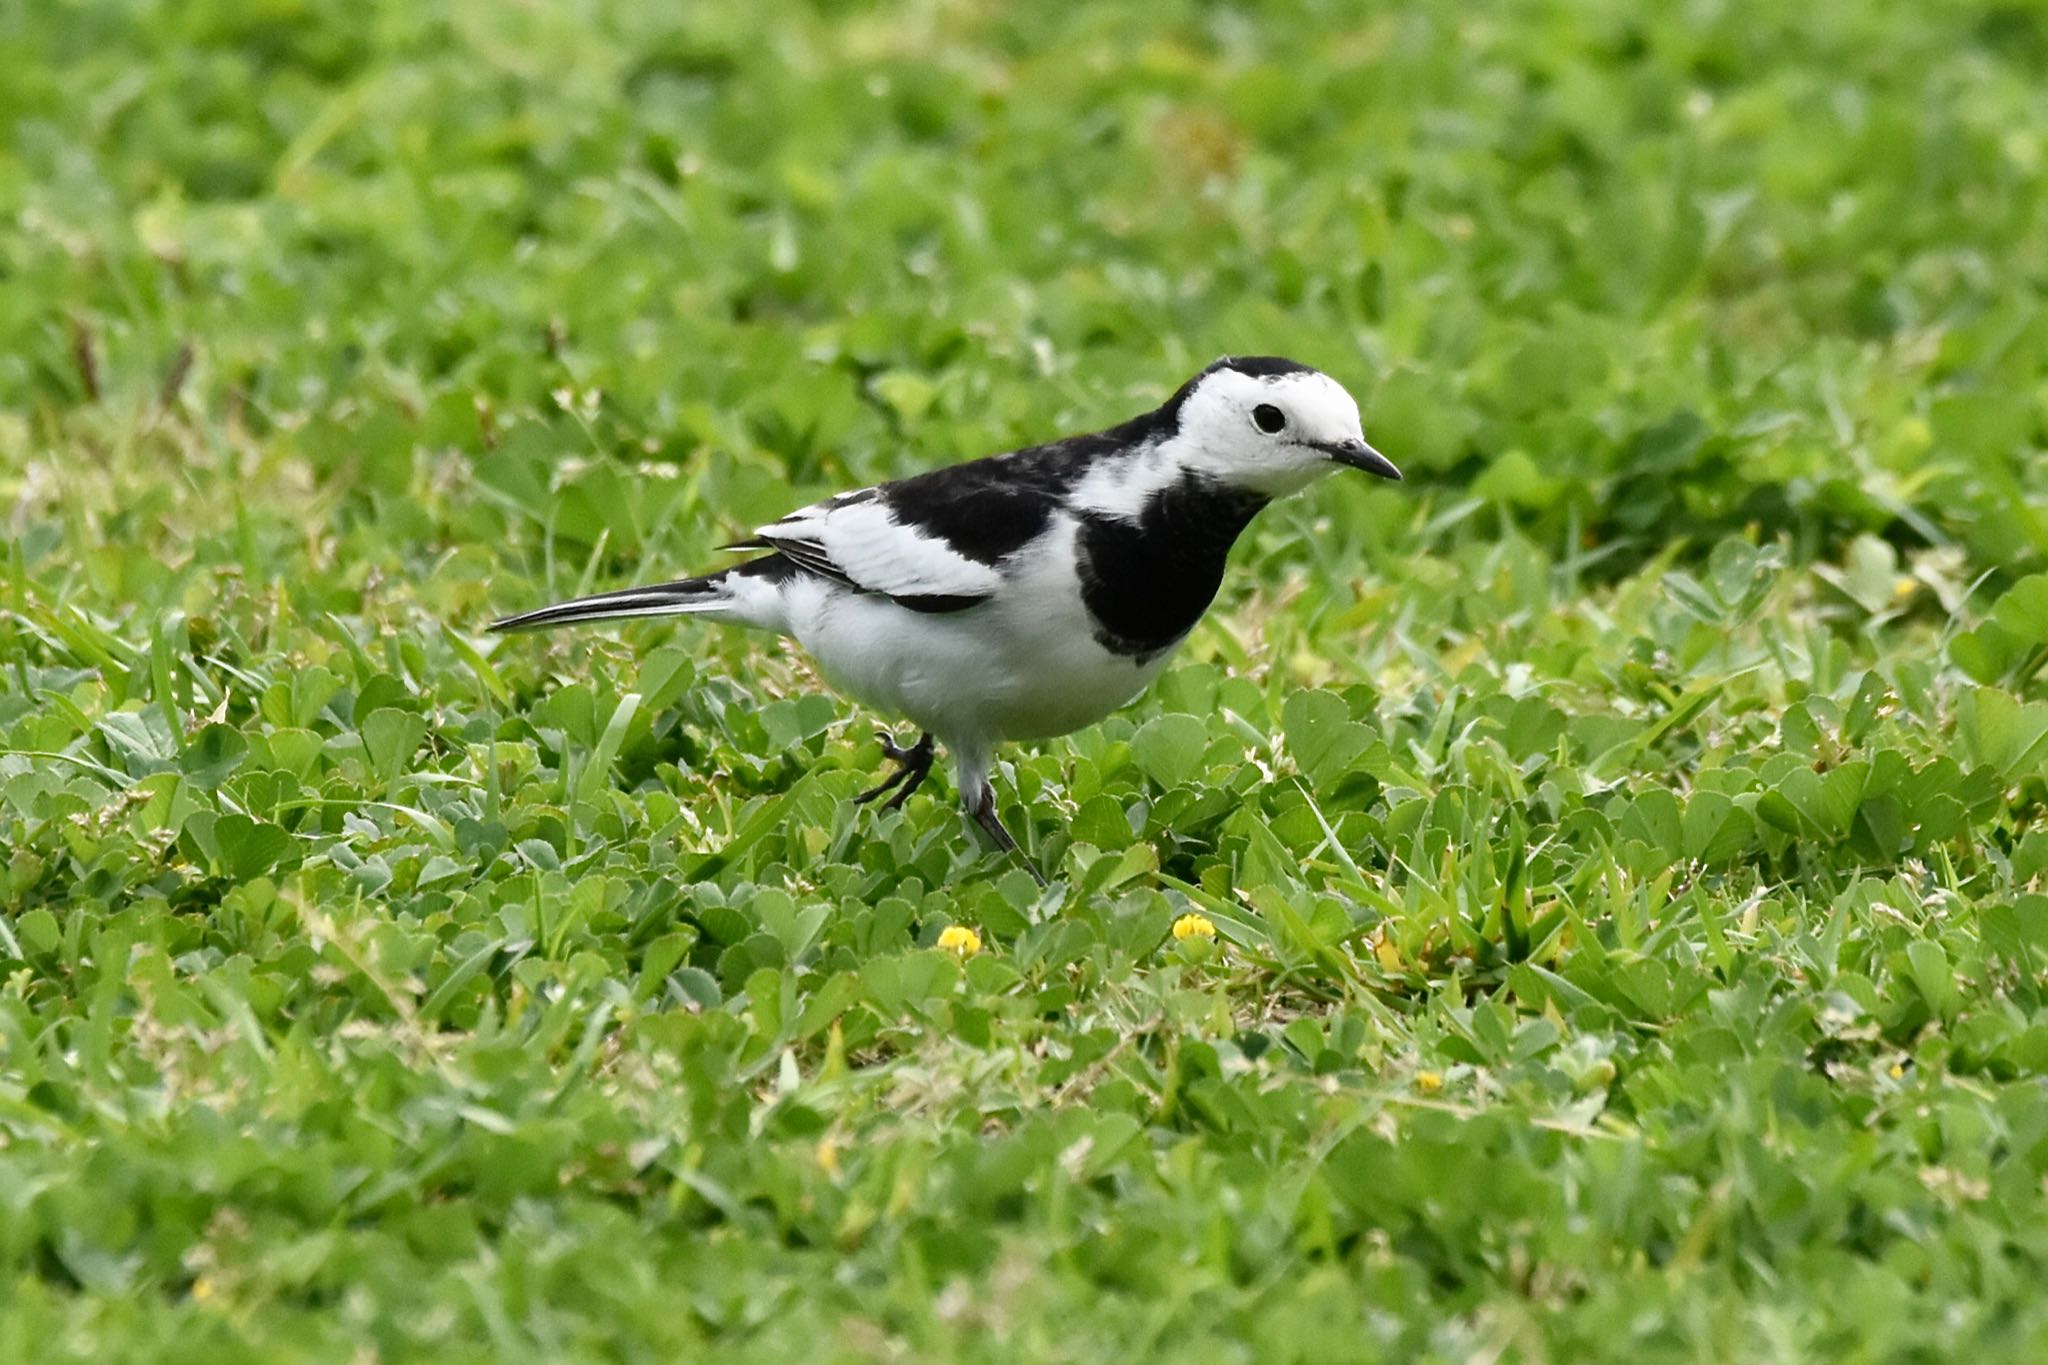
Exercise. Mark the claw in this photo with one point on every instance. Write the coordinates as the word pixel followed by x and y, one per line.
pixel 896 753
pixel 881 787
pixel 912 763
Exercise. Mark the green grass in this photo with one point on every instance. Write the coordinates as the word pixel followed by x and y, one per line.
pixel 1624 838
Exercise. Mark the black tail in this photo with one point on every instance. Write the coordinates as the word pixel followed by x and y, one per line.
pixel 662 599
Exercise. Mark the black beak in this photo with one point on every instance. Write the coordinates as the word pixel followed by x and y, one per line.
pixel 1359 455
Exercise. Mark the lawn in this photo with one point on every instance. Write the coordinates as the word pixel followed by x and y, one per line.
pixel 1623 841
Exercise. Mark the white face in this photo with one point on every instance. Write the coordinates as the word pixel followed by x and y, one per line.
pixel 1275 433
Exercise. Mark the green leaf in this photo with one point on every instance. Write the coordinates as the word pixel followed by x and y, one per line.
pixel 1715 828
pixel 2002 733
pixel 1986 654
pixel 597 770
pixel 1516 478
pixel 248 848
pixel 907 393
pixel 2022 610
pixel 39 932
pixel 390 738
pixel 1168 749
pixel 209 756
pixel 140 737
pixel 1321 736
pixel 1933 977
pixel 1654 817
pixel 451 985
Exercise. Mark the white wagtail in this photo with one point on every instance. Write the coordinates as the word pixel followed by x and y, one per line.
pixel 1028 594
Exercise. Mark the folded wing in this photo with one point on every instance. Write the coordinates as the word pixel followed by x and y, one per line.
pixel 861 540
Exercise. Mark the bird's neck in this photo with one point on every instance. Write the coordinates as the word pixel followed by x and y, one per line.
pixel 1147 579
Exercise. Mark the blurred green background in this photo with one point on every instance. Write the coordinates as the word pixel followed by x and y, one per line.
pixel 1622 836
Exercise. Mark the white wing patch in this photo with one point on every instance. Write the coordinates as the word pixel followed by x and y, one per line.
pixel 1123 488
pixel 860 540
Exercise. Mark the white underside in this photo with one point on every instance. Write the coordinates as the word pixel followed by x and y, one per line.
pixel 1023 665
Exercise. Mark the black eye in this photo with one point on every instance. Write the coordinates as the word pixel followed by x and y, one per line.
pixel 1268 418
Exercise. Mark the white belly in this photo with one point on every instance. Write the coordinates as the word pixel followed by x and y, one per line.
pixel 1024 665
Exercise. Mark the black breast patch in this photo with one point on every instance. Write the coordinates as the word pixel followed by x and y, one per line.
pixel 1147 582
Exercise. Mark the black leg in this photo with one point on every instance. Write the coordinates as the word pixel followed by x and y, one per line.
pixel 984 813
pixel 912 764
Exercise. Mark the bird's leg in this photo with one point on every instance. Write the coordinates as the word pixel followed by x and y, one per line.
pixel 912 763
pixel 984 812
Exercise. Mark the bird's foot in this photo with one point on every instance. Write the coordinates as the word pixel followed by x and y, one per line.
pixel 912 766
pixel 984 813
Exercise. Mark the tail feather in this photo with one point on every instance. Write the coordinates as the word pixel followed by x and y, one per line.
pixel 661 599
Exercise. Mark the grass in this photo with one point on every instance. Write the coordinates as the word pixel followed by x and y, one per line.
pixel 1623 840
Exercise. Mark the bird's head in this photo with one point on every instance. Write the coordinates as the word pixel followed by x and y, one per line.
pixel 1270 426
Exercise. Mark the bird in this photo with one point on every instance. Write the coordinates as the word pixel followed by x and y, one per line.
pixel 1028 594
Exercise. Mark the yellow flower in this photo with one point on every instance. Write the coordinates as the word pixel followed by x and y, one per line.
pixel 1193 926
pixel 958 938
pixel 1904 588
pixel 1387 951
pixel 1429 1082
pixel 828 1157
